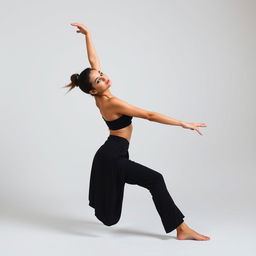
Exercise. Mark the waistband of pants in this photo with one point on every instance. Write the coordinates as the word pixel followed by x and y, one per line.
pixel 118 138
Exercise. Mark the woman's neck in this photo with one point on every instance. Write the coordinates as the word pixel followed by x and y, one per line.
pixel 104 95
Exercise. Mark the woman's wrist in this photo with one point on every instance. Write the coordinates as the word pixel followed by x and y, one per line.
pixel 182 123
pixel 87 34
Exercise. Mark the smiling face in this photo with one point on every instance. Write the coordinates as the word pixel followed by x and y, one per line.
pixel 100 81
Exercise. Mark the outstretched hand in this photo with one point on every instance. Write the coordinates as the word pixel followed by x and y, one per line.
pixel 82 28
pixel 193 126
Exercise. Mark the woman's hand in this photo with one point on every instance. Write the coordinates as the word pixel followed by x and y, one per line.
pixel 82 29
pixel 193 126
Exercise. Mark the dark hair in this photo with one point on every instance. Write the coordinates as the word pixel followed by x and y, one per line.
pixel 82 81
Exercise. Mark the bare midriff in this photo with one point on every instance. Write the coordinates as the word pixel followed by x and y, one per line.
pixel 125 132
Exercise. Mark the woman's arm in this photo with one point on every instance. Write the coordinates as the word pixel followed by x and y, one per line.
pixel 91 52
pixel 122 107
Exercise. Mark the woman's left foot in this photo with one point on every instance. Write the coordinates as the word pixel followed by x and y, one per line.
pixel 186 233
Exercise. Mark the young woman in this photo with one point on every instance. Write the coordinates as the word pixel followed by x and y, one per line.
pixel 111 166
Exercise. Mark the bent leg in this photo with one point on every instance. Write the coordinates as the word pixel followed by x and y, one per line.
pixel 138 174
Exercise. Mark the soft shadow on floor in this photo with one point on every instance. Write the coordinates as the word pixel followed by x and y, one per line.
pixel 35 218
pixel 125 232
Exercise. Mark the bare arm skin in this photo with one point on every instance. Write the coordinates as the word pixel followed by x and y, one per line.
pixel 122 107
pixel 160 118
pixel 91 52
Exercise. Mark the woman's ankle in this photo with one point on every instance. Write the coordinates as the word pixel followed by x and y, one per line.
pixel 183 226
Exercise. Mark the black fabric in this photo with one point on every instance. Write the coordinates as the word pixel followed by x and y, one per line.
pixel 119 123
pixel 111 169
pixel 107 181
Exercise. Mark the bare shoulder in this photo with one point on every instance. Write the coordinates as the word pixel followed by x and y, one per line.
pixel 123 107
pixel 115 100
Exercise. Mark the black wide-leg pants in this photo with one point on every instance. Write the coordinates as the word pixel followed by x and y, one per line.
pixel 138 174
pixel 113 155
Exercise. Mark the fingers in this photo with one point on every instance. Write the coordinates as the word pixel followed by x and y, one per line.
pixel 195 125
pixel 198 131
pixel 76 24
pixel 201 125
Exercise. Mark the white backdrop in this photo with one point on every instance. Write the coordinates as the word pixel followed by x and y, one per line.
pixel 190 60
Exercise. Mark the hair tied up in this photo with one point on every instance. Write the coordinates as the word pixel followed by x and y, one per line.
pixel 82 81
pixel 77 80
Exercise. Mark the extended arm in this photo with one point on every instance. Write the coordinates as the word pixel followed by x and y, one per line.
pixel 91 52
pixel 160 118
pixel 120 106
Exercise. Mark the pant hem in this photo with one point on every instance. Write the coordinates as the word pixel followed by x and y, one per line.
pixel 170 229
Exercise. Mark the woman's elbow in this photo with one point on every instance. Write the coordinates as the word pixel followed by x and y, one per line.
pixel 150 116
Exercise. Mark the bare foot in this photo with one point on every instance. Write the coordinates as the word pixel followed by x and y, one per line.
pixel 184 232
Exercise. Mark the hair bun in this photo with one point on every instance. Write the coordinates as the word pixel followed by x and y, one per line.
pixel 75 79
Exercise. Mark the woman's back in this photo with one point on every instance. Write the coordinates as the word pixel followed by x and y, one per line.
pixel 109 115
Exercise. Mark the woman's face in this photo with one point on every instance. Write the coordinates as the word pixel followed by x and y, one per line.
pixel 100 81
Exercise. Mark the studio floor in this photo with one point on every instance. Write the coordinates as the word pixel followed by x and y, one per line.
pixel 48 226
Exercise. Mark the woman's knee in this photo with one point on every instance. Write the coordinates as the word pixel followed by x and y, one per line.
pixel 158 178
pixel 157 183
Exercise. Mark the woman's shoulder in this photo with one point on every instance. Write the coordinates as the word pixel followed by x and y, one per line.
pixel 107 103
pixel 116 100
pixel 106 109
pixel 123 107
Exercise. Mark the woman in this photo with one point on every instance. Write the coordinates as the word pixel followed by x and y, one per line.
pixel 111 166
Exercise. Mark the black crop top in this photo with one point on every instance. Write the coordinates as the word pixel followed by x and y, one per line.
pixel 119 123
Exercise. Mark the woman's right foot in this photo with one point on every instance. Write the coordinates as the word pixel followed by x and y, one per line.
pixel 184 233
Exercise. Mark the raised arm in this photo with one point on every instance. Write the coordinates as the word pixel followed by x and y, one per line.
pixel 91 52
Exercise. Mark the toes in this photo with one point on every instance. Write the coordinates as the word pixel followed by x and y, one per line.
pixel 203 237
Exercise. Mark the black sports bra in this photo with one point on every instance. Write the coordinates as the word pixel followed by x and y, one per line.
pixel 119 123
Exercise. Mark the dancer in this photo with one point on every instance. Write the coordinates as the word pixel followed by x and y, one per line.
pixel 111 166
